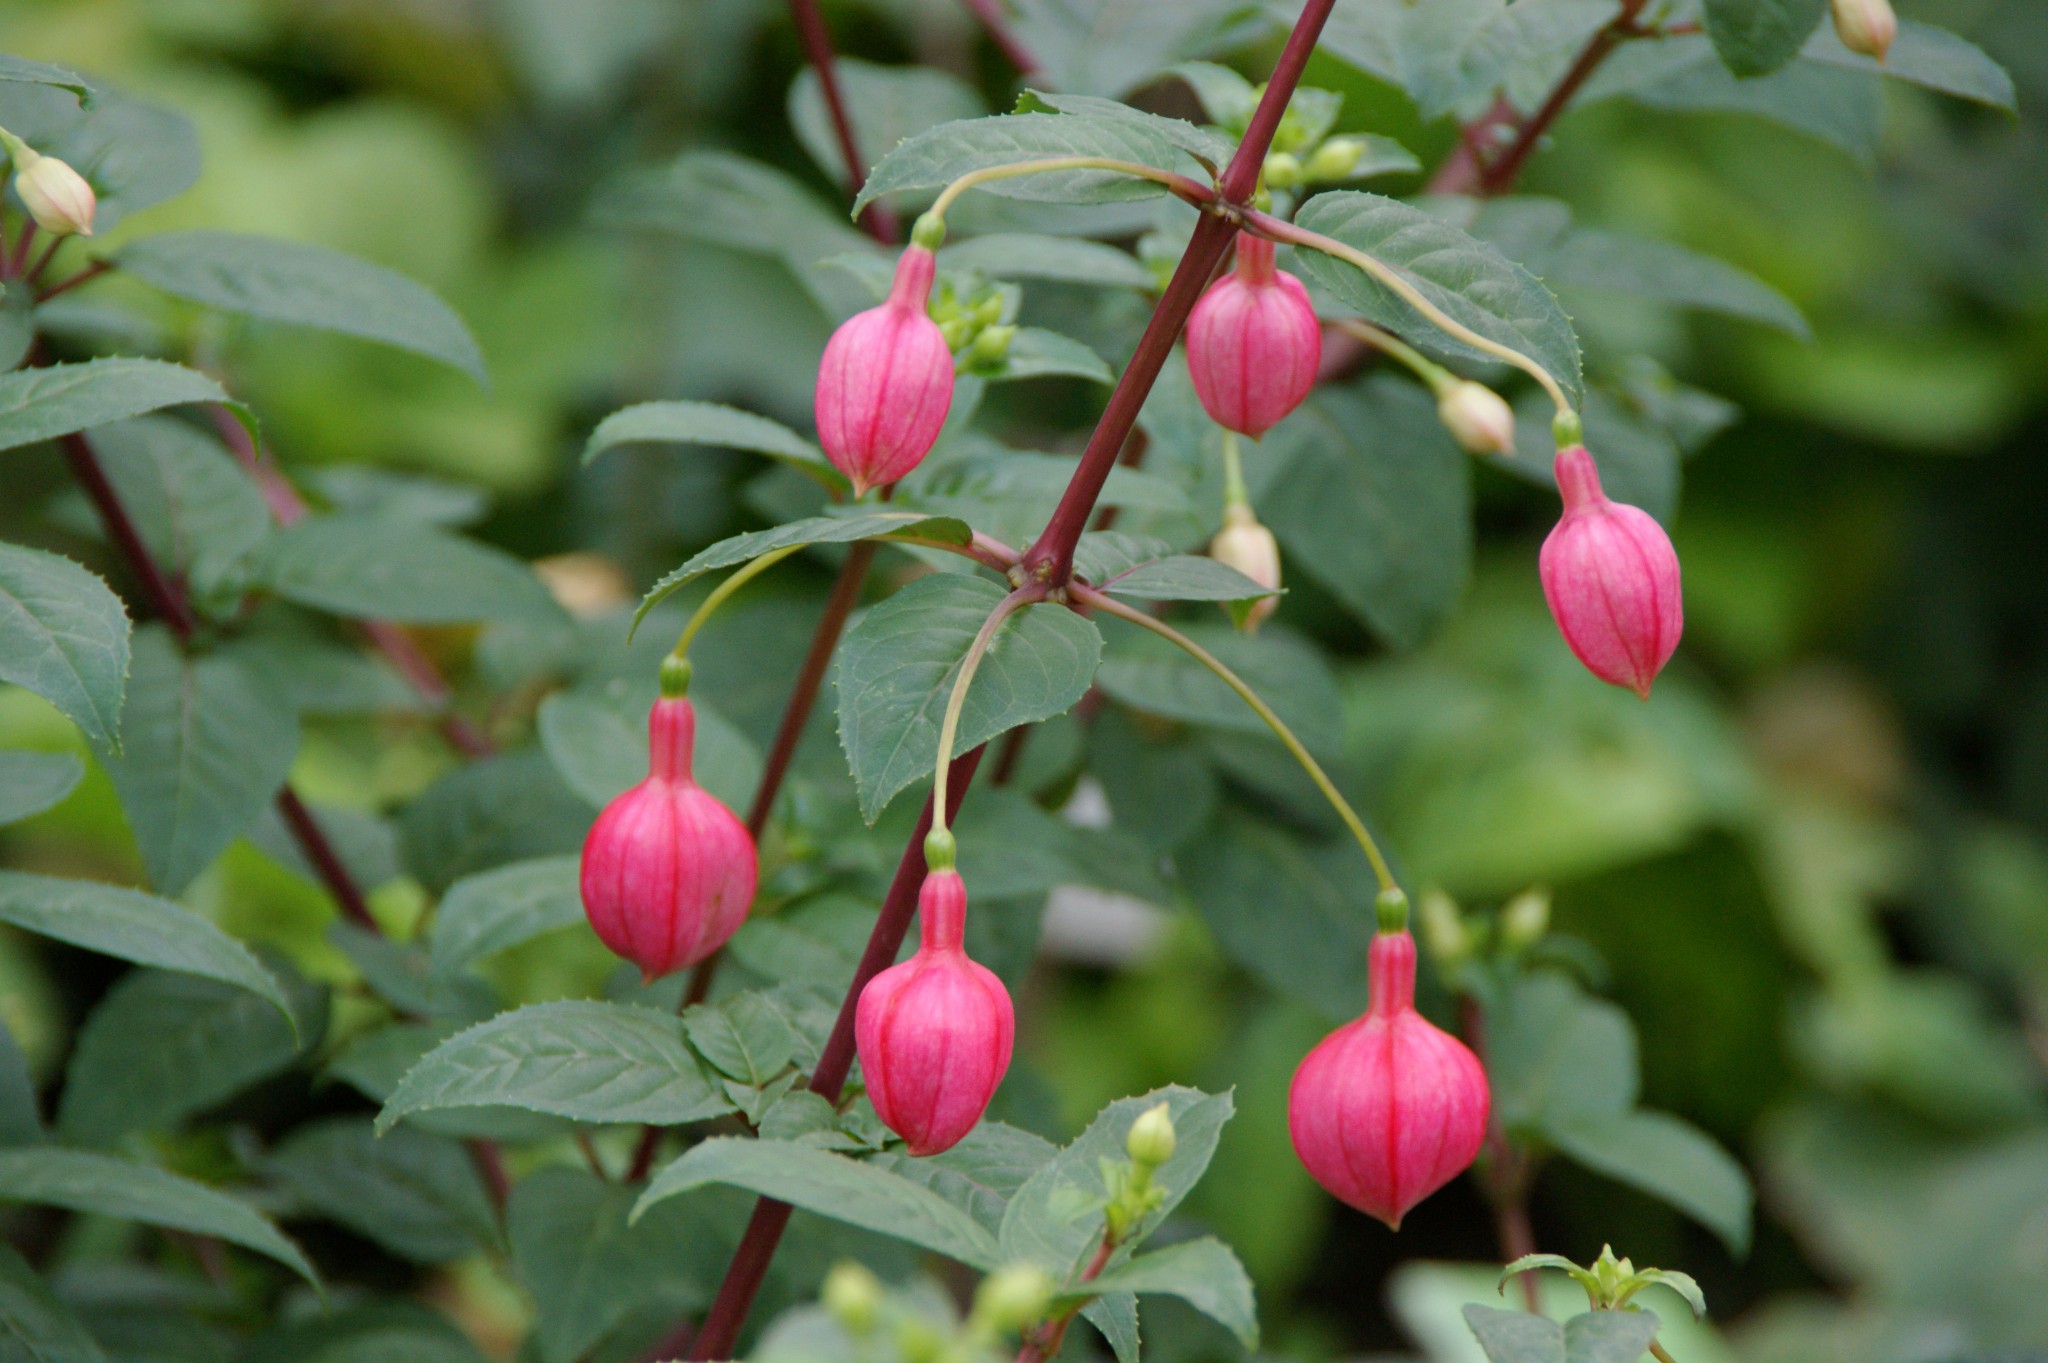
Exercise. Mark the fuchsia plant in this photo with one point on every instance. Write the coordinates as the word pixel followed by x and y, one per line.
pixel 1611 578
pixel 886 381
pixel 1254 343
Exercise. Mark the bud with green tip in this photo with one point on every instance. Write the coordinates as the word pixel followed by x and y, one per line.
pixel 992 346
pixel 1335 159
pixel 1010 1299
pixel 1478 418
pixel 1524 919
pixel 55 195
pixel 1282 171
pixel 1151 1139
pixel 1443 928
pixel 853 1296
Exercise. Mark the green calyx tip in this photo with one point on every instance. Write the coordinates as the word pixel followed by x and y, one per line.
pixel 929 232
pixel 675 677
pixel 939 849
pixel 1568 429
pixel 1392 910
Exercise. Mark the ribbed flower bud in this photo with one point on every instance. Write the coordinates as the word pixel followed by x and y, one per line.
pixel 935 1032
pixel 668 871
pixel 1866 26
pixel 886 381
pixel 1478 418
pixel 1611 577
pixel 1387 1109
pixel 1249 547
pixel 1253 343
pixel 56 196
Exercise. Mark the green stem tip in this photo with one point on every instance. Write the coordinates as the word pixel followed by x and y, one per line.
pixel 939 850
pixel 675 677
pixel 1392 909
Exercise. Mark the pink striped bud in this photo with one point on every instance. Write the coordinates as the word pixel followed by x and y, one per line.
pixel 886 382
pixel 668 871
pixel 1611 578
pixel 1388 1109
pixel 935 1032
pixel 1253 343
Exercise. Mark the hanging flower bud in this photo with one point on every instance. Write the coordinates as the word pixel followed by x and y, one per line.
pixel 1387 1109
pixel 1249 547
pixel 935 1032
pixel 1334 160
pixel 1253 343
pixel 1866 26
pixel 668 871
pixel 1611 578
pixel 56 196
pixel 1478 418
pixel 886 381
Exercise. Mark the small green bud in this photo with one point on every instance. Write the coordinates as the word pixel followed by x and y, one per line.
pixel 1283 171
pixel 1335 159
pixel 989 310
pixel 929 232
pixel 918 1340
pixel 1012 1298
pixel 675 677
pixel 992 346
pixel 1151 1139
pixel 1444 932
pixel 1391 908
pixel 853 1296
pixel 1524 919
pixel 958 331
pixel 939 850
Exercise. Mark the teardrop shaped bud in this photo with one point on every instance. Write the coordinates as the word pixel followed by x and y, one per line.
pixel 935 1032
pixel 1253 343
pixel 1611 578
pixel 668 870
pixel 56 196
pixel 1478 418
pixel 1249 547
pixel 1387 1109
pixel 1866 26
pixel 886 381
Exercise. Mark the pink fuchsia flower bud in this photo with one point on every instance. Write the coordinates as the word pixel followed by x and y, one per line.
pixel 1866 26
pixel 1249 547
pixel 935 1032
pixel 56 196
pixel 1478 418
pixel 1387 1109
pixel 668 871
pixel 886 381
pixel 1611 577
pixel 1253 343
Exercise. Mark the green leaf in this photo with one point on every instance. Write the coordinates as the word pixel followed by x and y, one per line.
pixel 1036 353
pixel 1109 47
pixel 1609 1336
pixel 496 910
pixel 305 285
pixel 1203 1273
pixel 388 568
pixel 1589 258
pixel 417 1195
pixel 1463 277
pixel 505 808
pixel 1556 1056
pixel 42 404
pixel 884 104
pixel 1516 1336
pixel 207 744
pixel 82 1181
pixel 713 425
pixel 134 927
pixel 64 636
pixel 1115 1314
pixel 161 1047
pixel 1376 505
pixel 1010 493
pixel 832 1186
pixel 1838 106
pixel 739 549
pixel 24 71
pixel 1669 1160
pixel 21 1118
pixel 1056 1217
pixel 1924 55
pixel 134 154
pixel 36 1327
pixel 600 749
pixel 590 1062
pixel 1067 260
pixel 1681 1283
pixel 381 1330
pixel 898 664
pixel 201 516
pixel 937 157
pixel 1150 674
pixel 1185 577
pixel 746 1037
pixel 1756 37
pixel 377 1061
pixel 981 1173
pixel 1212 149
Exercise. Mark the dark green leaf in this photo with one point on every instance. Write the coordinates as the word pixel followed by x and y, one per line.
pixel 981 1173
pixel 1669 1160
pixel 886 104
pixel 941 155
pixel 21 1119
pixel 1150 674
pixel 419 1196
pixel 21 69
pixel 897 667
pixel 1211 148
pixel 1516 1336
pixel 492 911
pixel 201 516
pixel 1105 554
pixel 82 1181
pixel 377 1061
pixel 399 973
pixel 712 425
pixel 207 743
pixel 1203 1273
pixel 34 1325
pixel 1924 55
pixel 1020 255
pixel 42 404
pixel 1116 1316
pixel 1756 37
pixel 590 1062
pixel 1609 1336
pixel 1036 353
pixel 136 927
pixel 64 636
pixel 382 1330
pixel 31 782
pixel 306 285
pixel 395 569
pixel 600 748
pixel 134 155
pixel 1109 47
pixel 506 808
pixel 830 1185
pixel 745 1037
pixel 1557 1056
pixel 1594 259
pixel 1839 106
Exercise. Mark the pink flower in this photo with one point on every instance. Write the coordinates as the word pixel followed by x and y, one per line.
pixel 1611 578
pixel 1387 1109
pixel 1253 343
pixel 935 1032
pixel 886 382
pixel 668 871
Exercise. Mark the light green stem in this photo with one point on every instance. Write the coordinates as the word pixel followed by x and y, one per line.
pixel 949 727
pixel 1016 168
pixel 1109 605
pixel 1429 371
pixel 1234 494
pixel 1268 226
pixel 723 591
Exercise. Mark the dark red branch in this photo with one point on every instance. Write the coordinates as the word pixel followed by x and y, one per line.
pixel 817 40
pixel 90 272
pixel 992 17
pixel 165 598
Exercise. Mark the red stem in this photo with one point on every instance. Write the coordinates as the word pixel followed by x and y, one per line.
pixel 21 248
pixel 1044 1343
pixel 879 219
pixel 990 12
pixel 90 272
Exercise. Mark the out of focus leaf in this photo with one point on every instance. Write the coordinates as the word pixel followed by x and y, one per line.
pixel 884 104
pixel 417 1195
pixel 1203 1273
pixel 40 1329
pixel 1756 37
pixel 384 568
pixel 941 155
pixel 64 636
pixel 58 399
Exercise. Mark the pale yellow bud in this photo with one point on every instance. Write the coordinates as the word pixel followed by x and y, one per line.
pixel 1866 26
pixel 1012 1298
pixel 1282 171
pixel 1250 548
pixel 1335 159
pixel 853 1296
pixel 1477 418
pixel 56 196
pixel 1524 919
pixel 1151 1139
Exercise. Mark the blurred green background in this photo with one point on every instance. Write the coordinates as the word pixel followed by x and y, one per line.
pixel 1818 879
